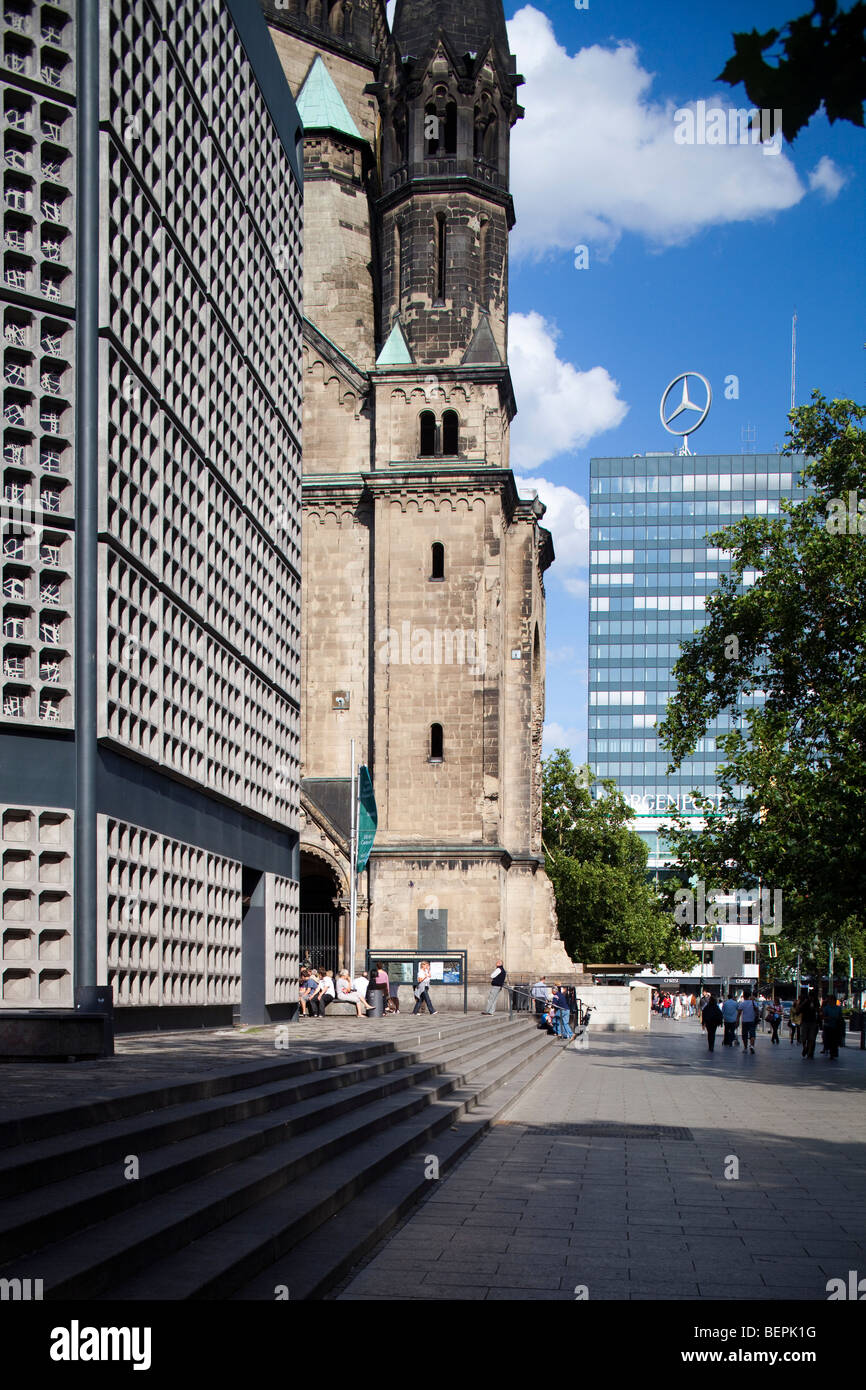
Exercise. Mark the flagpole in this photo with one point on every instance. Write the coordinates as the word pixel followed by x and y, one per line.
pixel 353 853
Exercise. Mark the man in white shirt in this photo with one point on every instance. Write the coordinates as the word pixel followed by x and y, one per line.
pixel 323 996
pixel 539 994
pixel 497 980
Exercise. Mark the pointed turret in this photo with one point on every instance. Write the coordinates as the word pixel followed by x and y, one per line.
pixel 320 105
pixel 448 100
pixel 470 26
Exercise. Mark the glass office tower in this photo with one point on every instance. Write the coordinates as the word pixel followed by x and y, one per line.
pixel 651 569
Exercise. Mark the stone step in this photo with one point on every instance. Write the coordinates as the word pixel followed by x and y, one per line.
pixel 194 1185
pixel 214 1266
pixel 204 1138
pixel 313 1268
pixel 25 1167
pixel 138 1099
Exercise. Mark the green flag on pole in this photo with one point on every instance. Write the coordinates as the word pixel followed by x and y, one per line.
pixel 368 818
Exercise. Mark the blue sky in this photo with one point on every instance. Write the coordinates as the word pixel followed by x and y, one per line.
pixel 698 257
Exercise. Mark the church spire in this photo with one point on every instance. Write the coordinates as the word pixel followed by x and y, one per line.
pixel 469 25
pixel 445 207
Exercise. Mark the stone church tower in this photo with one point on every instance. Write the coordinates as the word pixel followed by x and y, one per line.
pixel 424 610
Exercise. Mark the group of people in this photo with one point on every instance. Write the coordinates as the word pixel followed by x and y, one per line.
pixel 668 1005
pixel 809 1014
pixel 553 1008
pixel 370 992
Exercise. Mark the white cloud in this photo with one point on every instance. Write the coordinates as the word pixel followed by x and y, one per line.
pixel 558 736
pixel 827 178
pixel 595 155
pixel 567 519
pixel 578 588
pixel 559 407
pixel 560 656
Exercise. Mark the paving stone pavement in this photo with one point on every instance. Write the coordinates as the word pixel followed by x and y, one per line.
pixel 610 1176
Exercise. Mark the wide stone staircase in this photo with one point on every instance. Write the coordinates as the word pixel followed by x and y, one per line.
pixel 262 1180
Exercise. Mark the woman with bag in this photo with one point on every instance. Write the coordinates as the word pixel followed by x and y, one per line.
pixel 422 990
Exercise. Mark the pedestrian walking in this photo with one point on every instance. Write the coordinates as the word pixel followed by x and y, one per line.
pixel 832 1021
pixel 711 1018
pixel 497 981
pixel 794 1019
pixel 730 1016
pixel 748 1012
pixel 775 1017
pixel 809 1023
pixel 422 989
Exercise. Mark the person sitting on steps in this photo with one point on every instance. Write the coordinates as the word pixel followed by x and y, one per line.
pixel 346 994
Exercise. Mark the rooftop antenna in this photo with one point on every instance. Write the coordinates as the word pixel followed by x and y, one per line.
pixel 793 358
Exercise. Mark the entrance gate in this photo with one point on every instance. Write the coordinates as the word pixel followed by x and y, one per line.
pixel 320 940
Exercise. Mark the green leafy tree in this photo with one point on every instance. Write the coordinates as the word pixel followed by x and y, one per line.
pixel 607 911
pixel 824 62
pixel 793 810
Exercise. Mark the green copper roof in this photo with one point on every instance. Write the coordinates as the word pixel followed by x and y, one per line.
pixel 320 105
pixel 396 352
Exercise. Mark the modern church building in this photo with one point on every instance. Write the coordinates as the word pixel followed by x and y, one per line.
pixel 651 568
pixel 150 511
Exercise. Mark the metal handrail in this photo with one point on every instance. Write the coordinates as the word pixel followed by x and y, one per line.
pixel 578 1010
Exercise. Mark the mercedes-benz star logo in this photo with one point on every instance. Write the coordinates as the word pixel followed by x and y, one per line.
pixel 686 406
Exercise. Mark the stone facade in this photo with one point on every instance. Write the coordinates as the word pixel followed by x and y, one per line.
pixel 423 600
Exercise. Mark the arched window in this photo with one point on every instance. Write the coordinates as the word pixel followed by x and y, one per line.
pixel 450 432
pixel 428 434
pixel 432 123
pixel 437 560
pixel 451 128
pixel 490 142
pixel 436 754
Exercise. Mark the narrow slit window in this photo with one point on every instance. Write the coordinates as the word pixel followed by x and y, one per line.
pixel 450 432
pixel 436 743
pixel 428 434
pixel 482 260
pixel 441 252
pixel 437 561
pixel 398 266
pixel 451 128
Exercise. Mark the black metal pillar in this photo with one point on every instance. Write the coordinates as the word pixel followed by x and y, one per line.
pixel 86 499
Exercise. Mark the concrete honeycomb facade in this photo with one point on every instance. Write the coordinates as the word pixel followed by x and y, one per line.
pixel 199 382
